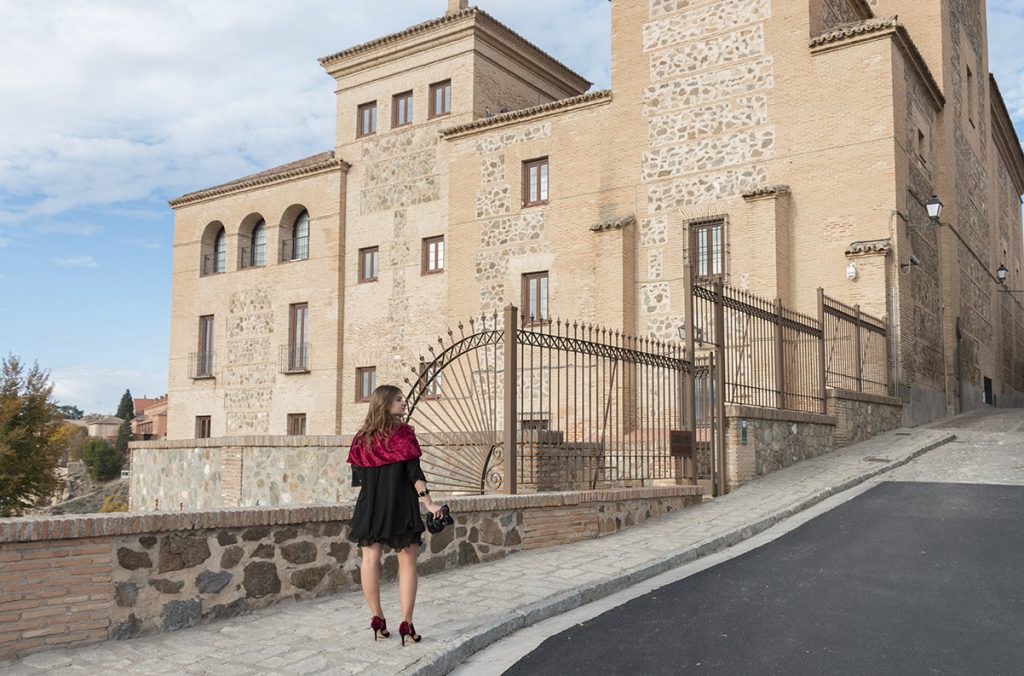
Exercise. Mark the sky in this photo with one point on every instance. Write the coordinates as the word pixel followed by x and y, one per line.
pixel 110 108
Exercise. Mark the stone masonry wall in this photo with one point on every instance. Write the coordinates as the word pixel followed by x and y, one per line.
pixel 240 472
pixel 775 439
pixel 709 135
pixel 77 580
pixel 861 416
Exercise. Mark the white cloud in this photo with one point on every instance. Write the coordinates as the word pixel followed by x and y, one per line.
pixel 124 101
pixel 98 388
pixel 145 243
pixel 76 262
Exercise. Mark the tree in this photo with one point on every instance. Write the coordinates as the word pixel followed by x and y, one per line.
pixel 102 460
pixel 126 409
pixel 29 449
pixel 69 412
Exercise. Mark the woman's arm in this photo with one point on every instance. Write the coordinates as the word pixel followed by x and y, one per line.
pixel 419 481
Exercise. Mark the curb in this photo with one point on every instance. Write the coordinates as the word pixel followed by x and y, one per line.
pixel 446 660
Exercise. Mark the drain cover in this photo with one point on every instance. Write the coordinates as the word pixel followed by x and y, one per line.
pixel 901 434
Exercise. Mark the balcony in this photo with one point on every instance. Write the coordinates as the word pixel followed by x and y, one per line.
pixel 294 358
pixel 252 257
pixel 213 264
pixel 200 365
pixel 294 249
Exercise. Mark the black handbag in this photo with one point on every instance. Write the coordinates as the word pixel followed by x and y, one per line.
pixel 437 525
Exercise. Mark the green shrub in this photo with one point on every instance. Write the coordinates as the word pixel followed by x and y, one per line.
pixel 101 459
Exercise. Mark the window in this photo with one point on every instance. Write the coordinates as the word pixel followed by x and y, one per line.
pixel 366 124
pixel 369 259
pixel 298 337
pixel 204 355
pixel 401 110
pixel 220 252
pixel 921 146
pixel 433 255
pixel 258 250
pixel 708 246
pixel 366 382
pixel 535 182
pixel 299 245
pixel 441 98
pixel 297 424
pixel 202 427
pixel 535 296
pixel 432 389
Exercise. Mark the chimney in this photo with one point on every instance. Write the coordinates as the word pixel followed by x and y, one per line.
pixel 457 6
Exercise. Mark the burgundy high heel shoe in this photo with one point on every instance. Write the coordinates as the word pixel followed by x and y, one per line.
pixel 406 629
pixel 379 626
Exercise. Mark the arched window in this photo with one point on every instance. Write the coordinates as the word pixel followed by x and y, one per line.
pixel 300 237
pixel 258 250
pixel 220 251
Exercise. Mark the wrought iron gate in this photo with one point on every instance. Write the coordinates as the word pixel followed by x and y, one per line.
pixel 579 407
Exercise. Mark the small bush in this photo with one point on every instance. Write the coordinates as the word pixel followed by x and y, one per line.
pixel 101 459
pixel 112 503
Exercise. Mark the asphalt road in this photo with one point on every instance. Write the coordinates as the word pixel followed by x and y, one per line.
pixel 906 578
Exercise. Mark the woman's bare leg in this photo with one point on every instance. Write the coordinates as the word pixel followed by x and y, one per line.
pixel 369 577
pixel 407 580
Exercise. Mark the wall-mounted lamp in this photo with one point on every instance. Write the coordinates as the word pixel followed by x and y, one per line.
pixel 1001 274
pixel 912 262
pixel 934 208
pixel 698 335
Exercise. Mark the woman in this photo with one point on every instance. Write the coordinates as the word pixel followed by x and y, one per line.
pixel 385 456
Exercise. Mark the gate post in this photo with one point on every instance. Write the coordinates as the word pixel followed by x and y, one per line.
pixel 689 410
pixel 720 394
pixel 780 358
pixel 856 350
pixel 510 403
pixel 822 376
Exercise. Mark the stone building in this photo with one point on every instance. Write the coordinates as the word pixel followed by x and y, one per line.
pixel 785 145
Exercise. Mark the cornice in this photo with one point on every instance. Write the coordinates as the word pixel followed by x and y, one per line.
pixel 873 29
pixel 314 164
pixel 545 109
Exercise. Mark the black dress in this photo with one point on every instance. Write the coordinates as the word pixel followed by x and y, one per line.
pixel 388 509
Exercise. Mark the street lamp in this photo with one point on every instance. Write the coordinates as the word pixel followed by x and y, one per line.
pixel 934 208
pixel 1001 274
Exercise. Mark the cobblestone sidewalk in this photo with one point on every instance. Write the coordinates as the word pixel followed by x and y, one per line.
pixel 460 611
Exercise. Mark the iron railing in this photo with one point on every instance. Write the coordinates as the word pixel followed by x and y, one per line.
pixel 770 354
pixel 295 249
pixel 252 257
pixel 554 405
pixel 200 365
pixel 213 264
pixel 294 358
pixel 856 347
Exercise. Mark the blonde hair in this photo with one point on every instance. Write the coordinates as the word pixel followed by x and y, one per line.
pixel 379 420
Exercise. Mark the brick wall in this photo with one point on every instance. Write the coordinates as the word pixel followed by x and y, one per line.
pixel 79 580
pixel 54 593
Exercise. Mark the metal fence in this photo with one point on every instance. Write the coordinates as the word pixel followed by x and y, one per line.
pixel 770 354
pixel 508 404
pixel 856 347
pixel 517 406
